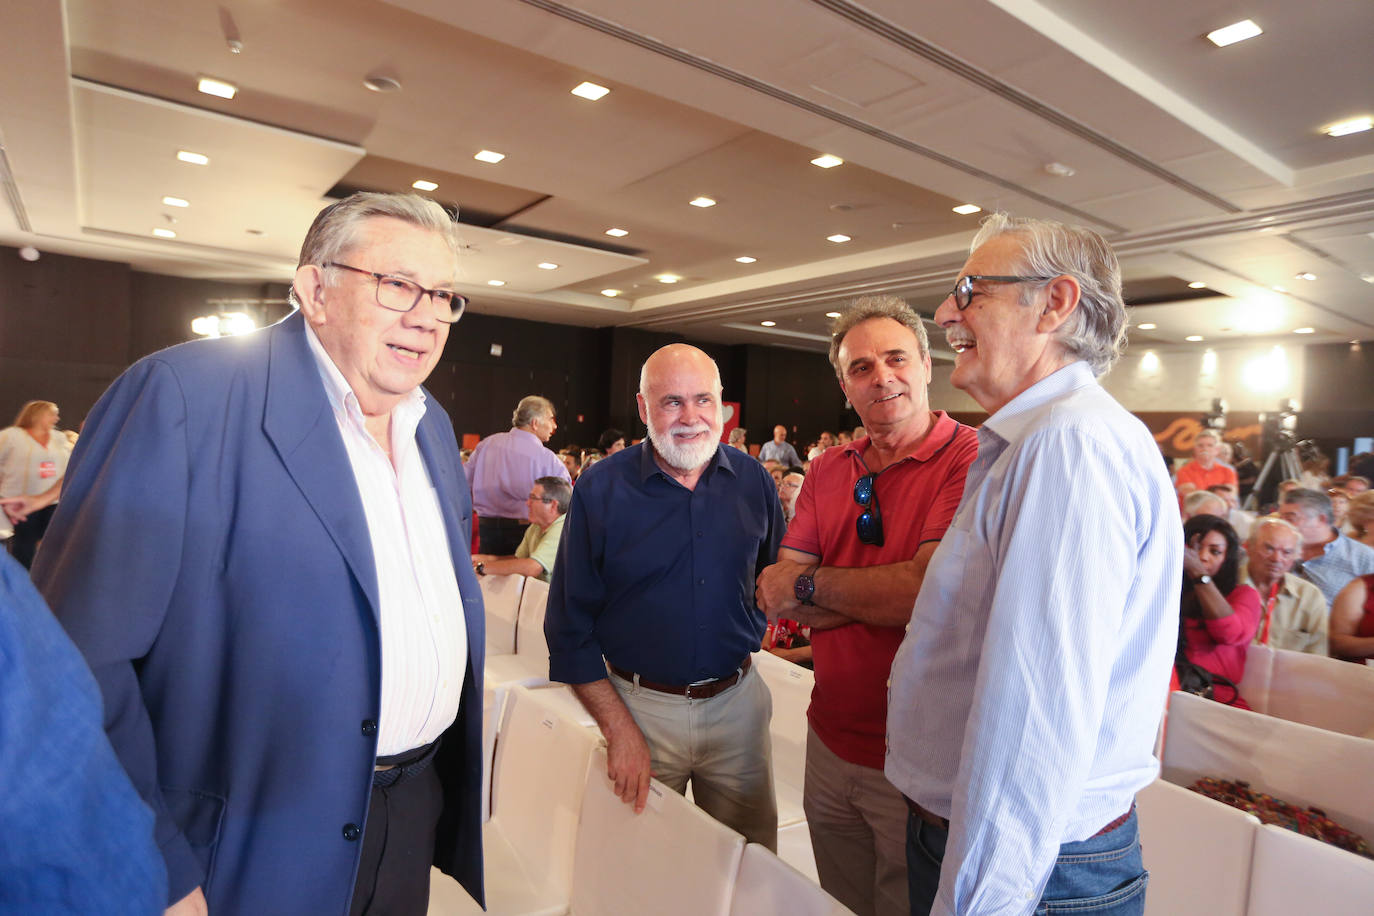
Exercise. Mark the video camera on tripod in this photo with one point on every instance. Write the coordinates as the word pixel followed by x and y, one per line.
pixel 1278 437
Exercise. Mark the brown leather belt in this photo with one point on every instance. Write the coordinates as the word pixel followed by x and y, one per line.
pixel 690 691
pixel 936 821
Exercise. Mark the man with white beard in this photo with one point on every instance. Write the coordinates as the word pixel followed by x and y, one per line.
pixel 651 616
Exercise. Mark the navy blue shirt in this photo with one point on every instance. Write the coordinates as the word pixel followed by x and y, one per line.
pixel 659 578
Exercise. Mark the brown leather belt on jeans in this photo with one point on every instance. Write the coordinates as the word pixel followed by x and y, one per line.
pixel 690 691
pixel 936 821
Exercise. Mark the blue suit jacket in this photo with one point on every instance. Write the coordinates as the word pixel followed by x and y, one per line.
pixel 211 558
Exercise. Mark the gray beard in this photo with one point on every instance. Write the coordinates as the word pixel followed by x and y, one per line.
pixel 681 457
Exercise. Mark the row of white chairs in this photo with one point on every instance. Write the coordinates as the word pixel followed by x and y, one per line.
pixel 1313 689
pixel 561 841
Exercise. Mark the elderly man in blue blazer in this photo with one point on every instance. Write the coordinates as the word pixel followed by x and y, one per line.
pixel 262 552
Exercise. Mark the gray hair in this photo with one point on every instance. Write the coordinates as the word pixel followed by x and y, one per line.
pixel 866 307
pixel 1193 503
pixel 558 489
pixel 1271 521
pixel 531 408
pixel 337 227
pixel 737 434
pixel 1208 434
pixel 1361 512
pixel 1096 331
pixel 1311 500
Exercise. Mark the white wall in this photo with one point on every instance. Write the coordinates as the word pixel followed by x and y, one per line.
pixel 1248 376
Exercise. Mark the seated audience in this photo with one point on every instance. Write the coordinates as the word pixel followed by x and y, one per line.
pixel 547 504
pixel 1340 507
pixel 33 464
pixel 1238 517
pixel 571 458
pixel 1293 614
pixel 611 441
pixel 1352 621
pixel 777 474
pixel 737 439
pixel 843 438
pixel 787 491
pixel 1206 468
pixel 1218 616
pixel 1203 502
pixel 1247 472
pixel 779 449
pixel 1329 559
pixel 790 641
pixel 859 433
pixel 1360 518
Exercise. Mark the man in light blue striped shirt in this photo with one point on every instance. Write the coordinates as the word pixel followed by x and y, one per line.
pixel 1027 694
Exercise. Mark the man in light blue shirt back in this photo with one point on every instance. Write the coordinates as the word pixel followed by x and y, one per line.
pixel 1027 694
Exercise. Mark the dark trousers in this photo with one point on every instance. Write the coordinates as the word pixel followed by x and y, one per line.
pixel 29 532
pixel 499 536
pixel 398 844
pixel 1103 875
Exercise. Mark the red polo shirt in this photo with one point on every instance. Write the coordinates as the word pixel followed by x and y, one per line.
pixel 917 496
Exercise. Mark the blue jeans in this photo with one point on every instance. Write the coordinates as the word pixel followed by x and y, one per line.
pixel 1102 875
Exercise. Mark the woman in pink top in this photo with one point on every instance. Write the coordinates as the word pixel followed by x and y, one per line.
pixel 1219 617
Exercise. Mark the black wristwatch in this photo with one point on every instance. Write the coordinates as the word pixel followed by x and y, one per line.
pixel 481 569
pixel 805 586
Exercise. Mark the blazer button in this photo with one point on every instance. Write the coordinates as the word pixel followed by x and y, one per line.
pixel 351 832
pixel 369 727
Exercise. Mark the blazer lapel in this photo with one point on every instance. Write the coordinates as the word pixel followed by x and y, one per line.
pixel 301 427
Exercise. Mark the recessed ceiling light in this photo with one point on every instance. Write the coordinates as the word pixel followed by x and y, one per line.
pixel 547 265
pixel 966 209
pixel 1352 126
pixel 1368 278
pixel 496 283
pixel 745 259
pixel 702 202
pixel 837 238
pixel 381 82
pixel 1197 284
pixel 1060 170
pixel 193 158
pixel 1279 289
pixel 423 185
pixel 827 161
pixel 219 88
pixel 590 91
pixel 1236 31
pixel 667 278
pixel 618 233
pixel 487 155
pixel 832 314
pixel 176 202
pixel 1147 326
pixel 768 324
pixel 1304 330
pixel 610 293
pixel 1266 219
pixel 1193 338
pixel 1305 276
pixel 164 233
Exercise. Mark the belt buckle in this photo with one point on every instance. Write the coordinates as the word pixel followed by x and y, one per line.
pixel 700 685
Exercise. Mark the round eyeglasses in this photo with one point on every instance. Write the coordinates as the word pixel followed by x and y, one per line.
pixel 963 290
pixel 397 294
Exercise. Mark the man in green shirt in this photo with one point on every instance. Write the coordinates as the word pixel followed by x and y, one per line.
pixel 548 505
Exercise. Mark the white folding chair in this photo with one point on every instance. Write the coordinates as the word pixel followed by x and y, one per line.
pixel 528 845
pixel 1197 851
pixel 1259 670
pixel 794 848
pixel 501 596
pixel 766 884
pixel 529 632
pixel 791 687
pixel 671 860
pixel 1323 692
pixel 1297 874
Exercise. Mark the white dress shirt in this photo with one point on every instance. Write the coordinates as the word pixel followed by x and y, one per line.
pixel 1027 693
pixel 423 630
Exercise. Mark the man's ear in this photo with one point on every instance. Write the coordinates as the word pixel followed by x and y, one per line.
pixel 643 409
pixel 309 287
pixel 1061 298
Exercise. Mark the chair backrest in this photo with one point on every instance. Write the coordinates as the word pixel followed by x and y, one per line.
pixel 541 774
pixel 1297 874
pixel 766 884
pixel 791 687
pixel 671 860
pixel 501 595
pixel 1259 671
pixel 1325 692
pixel 529 634
pixel 1291 761
pixel 1197 851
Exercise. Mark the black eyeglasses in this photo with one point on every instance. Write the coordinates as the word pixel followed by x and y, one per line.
pixel 398 294
pixel 543 499
pixel 963 290
pixel 870 523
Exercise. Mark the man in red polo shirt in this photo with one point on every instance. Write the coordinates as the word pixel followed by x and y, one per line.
pixel 1206 469
pixel 868 518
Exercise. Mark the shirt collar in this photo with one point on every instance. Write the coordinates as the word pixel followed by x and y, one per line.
pixel 1017 415
pixel 340 394
pixel 648 467
pixel 1285 584
pixel 940 434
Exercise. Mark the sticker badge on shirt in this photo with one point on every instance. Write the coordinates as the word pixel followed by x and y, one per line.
pixel 47 469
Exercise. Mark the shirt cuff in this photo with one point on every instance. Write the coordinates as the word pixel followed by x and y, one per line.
pixel 579 666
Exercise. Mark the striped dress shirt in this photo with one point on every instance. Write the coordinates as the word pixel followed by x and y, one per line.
pixel 423 630
pixel 1027 693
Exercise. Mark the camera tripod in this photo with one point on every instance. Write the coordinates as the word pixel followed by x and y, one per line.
pixel 1283 460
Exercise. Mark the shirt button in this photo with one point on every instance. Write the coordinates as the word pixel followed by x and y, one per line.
pixel 369 727
pixel 351 832
pixel 701 582
pixel 699 533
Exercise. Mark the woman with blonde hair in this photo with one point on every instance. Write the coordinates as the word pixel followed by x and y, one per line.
pixel 33 460
pixel 1360 517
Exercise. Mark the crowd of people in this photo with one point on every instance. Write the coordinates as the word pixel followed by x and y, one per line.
pixel 269 553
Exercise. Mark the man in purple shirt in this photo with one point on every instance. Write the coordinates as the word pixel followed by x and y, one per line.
pixel 503 469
